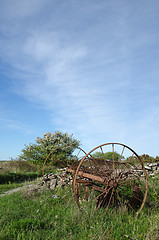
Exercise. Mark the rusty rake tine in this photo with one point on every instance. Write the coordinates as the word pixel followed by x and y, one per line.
pixel 90 190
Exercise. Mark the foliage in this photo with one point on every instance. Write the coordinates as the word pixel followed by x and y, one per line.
pixel 52 144
pixel 145 159
pixel 108 156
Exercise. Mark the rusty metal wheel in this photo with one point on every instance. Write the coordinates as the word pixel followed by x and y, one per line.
pixel 111 181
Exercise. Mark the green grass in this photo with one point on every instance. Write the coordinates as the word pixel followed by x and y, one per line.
pixel 6 187
pixel 39 216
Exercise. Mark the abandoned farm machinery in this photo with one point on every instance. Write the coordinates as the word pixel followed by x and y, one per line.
pixel 109 184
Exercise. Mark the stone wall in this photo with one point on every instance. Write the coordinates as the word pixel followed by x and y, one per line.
pixel 63 178
pixel 152 169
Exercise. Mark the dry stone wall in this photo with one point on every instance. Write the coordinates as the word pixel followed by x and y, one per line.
pixel 63 178
pixel 152 169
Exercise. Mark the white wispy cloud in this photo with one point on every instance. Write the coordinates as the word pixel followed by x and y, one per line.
pixel 79 64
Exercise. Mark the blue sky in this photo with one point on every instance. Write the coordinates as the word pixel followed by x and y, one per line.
pixel 87 67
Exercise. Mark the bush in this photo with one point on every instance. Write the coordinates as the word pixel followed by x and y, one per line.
pixel 57 147
pixel 18 177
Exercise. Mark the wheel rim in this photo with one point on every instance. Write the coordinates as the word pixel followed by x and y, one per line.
pixel 111 183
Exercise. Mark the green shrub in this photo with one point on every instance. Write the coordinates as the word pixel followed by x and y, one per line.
pixel 12 177
pixel 57 148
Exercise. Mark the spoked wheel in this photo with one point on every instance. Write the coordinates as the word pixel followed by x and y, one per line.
pixel 110 176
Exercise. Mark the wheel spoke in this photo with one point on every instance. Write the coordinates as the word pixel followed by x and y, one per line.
pixel 121 154
pixel 125 168
pixel 129 205
pixel 119 198
pixel 133 196
pixel 102 199
pixel 110 200
pixel 93 159
pixel 113 162
pixel 103 155
pixel 127 181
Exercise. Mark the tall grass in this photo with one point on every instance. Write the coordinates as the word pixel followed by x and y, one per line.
pixel 40 216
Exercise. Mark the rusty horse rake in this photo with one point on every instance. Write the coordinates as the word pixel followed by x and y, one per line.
pixel 110 184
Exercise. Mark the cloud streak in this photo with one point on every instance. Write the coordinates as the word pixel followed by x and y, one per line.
pixel 81 65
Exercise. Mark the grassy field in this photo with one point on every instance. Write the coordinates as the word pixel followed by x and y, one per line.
pixel 15 174
pixel 40 216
